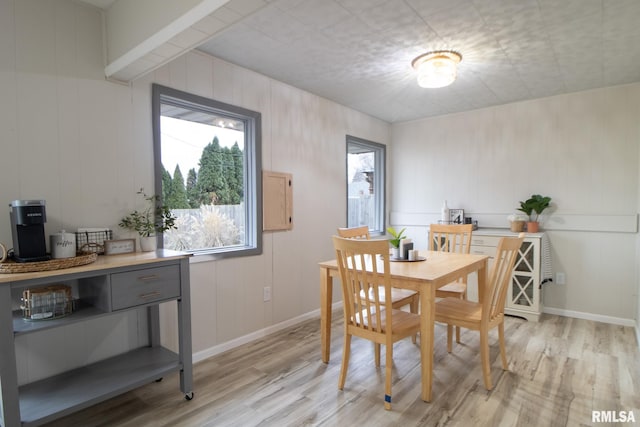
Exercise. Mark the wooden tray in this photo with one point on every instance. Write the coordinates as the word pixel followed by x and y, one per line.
pixel 420 258
pixel 11 266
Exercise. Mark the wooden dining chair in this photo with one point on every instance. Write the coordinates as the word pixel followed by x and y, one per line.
pixel 451 238
pixel 489 313
pixel 355 232
pixel 364 267
pixel 399 297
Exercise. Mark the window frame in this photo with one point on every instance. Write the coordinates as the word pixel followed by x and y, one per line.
pixel 252 166
pixel 380 159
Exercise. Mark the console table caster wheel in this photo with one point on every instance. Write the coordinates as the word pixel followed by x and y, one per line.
pixel 189 395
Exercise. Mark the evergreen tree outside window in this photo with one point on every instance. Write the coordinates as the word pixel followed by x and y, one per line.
pixel 192 191
pixel 217 146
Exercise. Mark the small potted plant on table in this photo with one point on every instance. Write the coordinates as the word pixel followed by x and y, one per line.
pixel 155 218
pixel 533 207
pixel 395 242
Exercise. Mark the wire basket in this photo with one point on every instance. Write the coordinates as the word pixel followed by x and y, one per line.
pixel 92 241
pixel 47 303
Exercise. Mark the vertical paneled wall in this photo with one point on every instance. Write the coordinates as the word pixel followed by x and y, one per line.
pixel 581 149
pixel 302 134
pixel 84 145
pixel 637 263
pixel 67 136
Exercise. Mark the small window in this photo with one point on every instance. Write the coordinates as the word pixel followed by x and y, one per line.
pixel 207 169
pixel 365 184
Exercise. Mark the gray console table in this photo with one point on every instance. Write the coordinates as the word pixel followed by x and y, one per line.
pixel 110 285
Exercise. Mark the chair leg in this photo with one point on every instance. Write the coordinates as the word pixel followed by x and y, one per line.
pixel 346 352
pixel 376 353
pixel 463 296
pixel 503 350
pixel 414 308
pixel 484 357
pixel 387 376
pixel 449 337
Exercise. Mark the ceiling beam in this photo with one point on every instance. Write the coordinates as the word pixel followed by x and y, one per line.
pixel 141 35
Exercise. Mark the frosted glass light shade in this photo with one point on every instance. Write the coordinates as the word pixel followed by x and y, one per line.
pixel 437 69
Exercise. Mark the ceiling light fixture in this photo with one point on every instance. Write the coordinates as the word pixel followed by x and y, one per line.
pixel 436 69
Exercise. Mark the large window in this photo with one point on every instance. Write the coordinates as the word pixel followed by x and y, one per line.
pixel 365 184
pixel 207 169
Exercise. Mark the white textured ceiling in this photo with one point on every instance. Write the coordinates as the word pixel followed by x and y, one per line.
pixel 358 52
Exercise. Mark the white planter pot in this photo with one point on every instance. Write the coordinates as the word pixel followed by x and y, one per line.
pixel 394 253
pixel 148 244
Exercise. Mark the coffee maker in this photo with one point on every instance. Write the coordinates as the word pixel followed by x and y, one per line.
pixel 27 229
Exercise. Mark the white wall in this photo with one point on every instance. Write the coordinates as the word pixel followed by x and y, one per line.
pixel 581 149
pixel 303 135
pixel 638 262
pixel 85 146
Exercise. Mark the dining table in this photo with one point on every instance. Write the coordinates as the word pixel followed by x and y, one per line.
pixel 424 276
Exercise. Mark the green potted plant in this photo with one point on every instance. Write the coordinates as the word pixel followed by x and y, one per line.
pixel 533 207
pixel 155 218
pixel 395 242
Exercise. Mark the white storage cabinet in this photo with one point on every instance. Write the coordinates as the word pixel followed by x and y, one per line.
pixel 524 297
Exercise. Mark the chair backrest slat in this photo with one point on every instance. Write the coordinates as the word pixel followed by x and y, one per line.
pixel 500 277
pixel 364 268
pixel 450 238
pixel 355 232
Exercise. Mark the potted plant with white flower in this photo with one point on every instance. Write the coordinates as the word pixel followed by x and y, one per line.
pixel 517 222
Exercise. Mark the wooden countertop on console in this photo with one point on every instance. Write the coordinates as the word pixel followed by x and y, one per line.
pixel 103 262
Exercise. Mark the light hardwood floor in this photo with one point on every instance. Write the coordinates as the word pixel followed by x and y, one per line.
pixel 560 370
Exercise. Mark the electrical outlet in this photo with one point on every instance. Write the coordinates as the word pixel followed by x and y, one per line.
pixel 560 279
pixel 266 293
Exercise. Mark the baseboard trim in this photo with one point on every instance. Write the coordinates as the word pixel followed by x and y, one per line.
pixel 315 314
pixel 236 342
pixel 590 316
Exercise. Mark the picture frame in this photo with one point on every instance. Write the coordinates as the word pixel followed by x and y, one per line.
pixel 456 216
pixel 121 246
